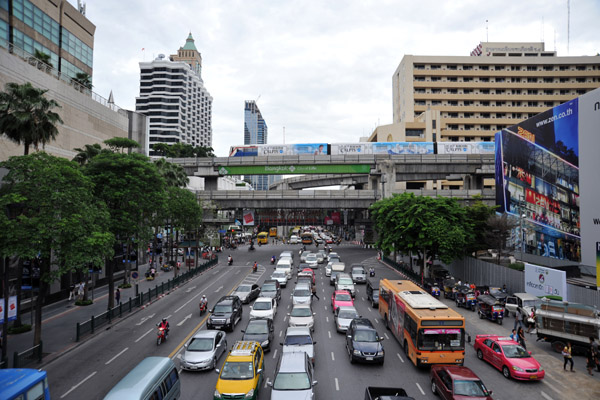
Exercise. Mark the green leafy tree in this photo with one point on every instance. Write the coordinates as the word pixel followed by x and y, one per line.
pixel 204 151
pixel 121 144
pixel 133 190
pixel 43 57
pixel 426 226
pixel 87 153
pixel 26 115
pixel 83 79
pixel 477 214
pixel 162 149
pixel 499 228
pixel 56 220
pixel 173 174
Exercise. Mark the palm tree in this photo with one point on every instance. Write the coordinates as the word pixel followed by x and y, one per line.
pixel 26 117
pixel 83 79
pixel 86 154
pixel 43 57
pixel 174 174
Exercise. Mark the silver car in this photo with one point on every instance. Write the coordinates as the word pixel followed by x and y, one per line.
pixel 358 273
pixel 345 282
pixel 281 277
pixel 312 260
pixel 247 292
pixel 299 339
pixel 203 350
pixel 302 315
pixel 293 378
pixel 343 316
pixel 302 294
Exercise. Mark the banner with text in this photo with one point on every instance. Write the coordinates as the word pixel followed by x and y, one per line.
pixel 294 169
pixel 12 309
pixel 542 281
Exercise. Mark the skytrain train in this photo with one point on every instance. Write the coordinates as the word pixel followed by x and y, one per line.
pixel 264 150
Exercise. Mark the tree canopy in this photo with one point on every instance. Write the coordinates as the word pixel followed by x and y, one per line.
pixel 182 150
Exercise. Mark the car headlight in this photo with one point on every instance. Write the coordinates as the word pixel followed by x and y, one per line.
pixel 380 353
pixel 217 394
pixel 541 368
pixel 517 368
pixel 249 394
pixel 228 320
pixel 356 352
pixel 265 343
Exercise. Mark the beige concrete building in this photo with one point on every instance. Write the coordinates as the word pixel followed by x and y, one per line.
pixel 470 98
pixel 58 29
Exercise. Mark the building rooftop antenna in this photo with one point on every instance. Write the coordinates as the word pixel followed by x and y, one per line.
pixel 487 36
pixel 568 24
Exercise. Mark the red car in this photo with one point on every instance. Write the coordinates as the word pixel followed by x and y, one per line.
pixel 453 382
pixel 509 357
pixel 308 272
pixel 341 298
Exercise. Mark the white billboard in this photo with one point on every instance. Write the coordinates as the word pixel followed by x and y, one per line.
pixel 542 281
pixel 465 147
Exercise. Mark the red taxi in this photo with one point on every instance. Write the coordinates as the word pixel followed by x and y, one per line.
pixel 341 298
pixel 509 357
pixel 453 382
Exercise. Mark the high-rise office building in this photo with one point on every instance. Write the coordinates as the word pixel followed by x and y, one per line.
pixel 256 131
pixel 173 95
pixel 55 28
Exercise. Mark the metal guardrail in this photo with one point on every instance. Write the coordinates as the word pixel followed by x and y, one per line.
pixel 28 356
pixel 105 318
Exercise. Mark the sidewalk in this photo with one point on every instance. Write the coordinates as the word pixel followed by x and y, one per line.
pixel 59 319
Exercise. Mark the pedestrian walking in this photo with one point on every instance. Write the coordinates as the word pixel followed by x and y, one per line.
pixel 517 320
pixel 521 337
pixel 118 296
pixel 568 356
pixel 80 290
pixel 513 335
pixel 595 359
pixel 313 288
pixel 531 320
pixel 72 293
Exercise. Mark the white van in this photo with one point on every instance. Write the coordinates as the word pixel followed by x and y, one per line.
pixel 521 303
pixel 294 239
pixel 285 264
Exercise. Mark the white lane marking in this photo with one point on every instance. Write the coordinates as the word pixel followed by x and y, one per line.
pixel 238 271
pixel 386 336
pixel 327 319
pixel 329 333
pixel 141 337
pixel 552 387
pixel 115 357
pixel 188 302
pixel 266 383
pixel 544 395
pixel 168 316
pixel 190 289
pixel 323 290
pixel 216 272
pixel 400 357
pixel 376 320
pixel 332 356
pixel 325 308
pixel 288 307
pixel 184 319
pixel 219 289
pixel 79 384
pixel 144 319
pixel 420 389
pixel 285 318
pixel 363 298
pixel 337 385
pixel 280 333
pixel 275 353
pixel 369 308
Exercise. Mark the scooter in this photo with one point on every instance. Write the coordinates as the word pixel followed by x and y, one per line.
pixel 371 272
pixel 230 261
pixel 254 269
pixel 161 336
pixel 251 248
pixel 272 260
pixel 202 308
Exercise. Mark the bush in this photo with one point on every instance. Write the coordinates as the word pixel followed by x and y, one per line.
pixel 125 285
pixel 519 266
pixel 83 302
pixel 21 329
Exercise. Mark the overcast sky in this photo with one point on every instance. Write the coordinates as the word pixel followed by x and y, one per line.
pixel 323 69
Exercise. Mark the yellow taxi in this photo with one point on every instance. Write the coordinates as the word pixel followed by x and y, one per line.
pixel 242 372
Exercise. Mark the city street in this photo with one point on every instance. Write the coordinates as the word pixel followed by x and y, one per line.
pixel 91 369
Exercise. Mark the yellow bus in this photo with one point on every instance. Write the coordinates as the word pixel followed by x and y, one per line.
pixel 307 238
pixel 262 238
pixel 273 232
pixel 429 331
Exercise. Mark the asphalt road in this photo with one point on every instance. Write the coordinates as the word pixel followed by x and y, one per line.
pixel 93 368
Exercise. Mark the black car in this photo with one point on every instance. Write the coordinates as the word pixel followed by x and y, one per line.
pixel 271 288
pixel 373 292
pixel 225 314
pixel 363 343
pixel 260 330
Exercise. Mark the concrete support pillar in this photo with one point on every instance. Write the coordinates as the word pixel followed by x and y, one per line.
pixel 210 183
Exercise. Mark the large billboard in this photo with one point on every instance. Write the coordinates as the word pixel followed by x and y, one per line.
pixel 537 180
pixel 465 147
pixel 541 281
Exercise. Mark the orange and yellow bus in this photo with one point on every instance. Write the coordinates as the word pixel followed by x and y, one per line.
pixel 273 232
pixel 429 331
pixel 307 238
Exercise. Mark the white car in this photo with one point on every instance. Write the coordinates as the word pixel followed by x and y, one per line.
pixel 286 271
pixel 299 339
pixel 294 239
pixel 328 268
pixel 343 316
pixel 264 307
pixel 301 295
pixel 285 264
pixel 302 315
pixel 312 260
pixel 281 277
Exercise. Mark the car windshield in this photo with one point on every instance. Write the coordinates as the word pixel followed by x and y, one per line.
pixel 301 312
pixel 532 303
pixel 291 381
pixel 345 281
pixel 200 344
pixel 515 351
pixel 311 257
pixel 441 339
pixel 343 297
pixel 222 308
pixel 301 292
pixel 262 305
pixel 470 388
pixel 347 314
pixel 297 340
pixel 365 336
pixel 269 288
pixel 243 289
pixel 237 370
pixel 278 274
pixel 358 271
pixel 257 329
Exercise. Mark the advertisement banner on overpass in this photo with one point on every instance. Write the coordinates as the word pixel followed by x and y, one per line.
pixel 465 147
pixel 294 169
pixel 264 150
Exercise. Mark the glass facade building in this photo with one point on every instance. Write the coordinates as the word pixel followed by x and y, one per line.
pixel 33 25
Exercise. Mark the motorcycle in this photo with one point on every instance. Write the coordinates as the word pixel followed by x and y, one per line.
pixel 161 335
pixel 230 261
pixel 371 272
pixel 272 260
pixel 202 308
pixel 254 268
pixel 251 248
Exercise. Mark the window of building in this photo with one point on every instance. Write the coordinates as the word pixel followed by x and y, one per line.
pixel 467 91
pixel 451 67
pixel 485 91
pixel 420 78
pixel 452 79
pixel 564 67
pixel 453 91
pixel 436 66
pixel 30 45
pixel 35 18
pixel 531 80
pixel 532 68
pixel 436 91
pixel 419 66
pixel 453 103
pixel 415 185
pixel 485 103
pixel 414 133
pixel 435 79
pixel 484 67
pixel 467 67
pixel 467 79
pixel 77 48
pixel 484 79
pixel 548 67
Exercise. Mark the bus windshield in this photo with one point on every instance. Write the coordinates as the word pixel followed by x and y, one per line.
pixel 432 339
